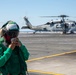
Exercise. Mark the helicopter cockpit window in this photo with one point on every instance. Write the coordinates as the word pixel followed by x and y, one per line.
pixel 73 25
pixel 48 23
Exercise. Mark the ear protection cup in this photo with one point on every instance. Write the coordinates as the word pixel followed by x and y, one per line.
pixel 3 31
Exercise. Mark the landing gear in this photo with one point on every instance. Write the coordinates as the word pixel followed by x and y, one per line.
pixel 34 32
pixel 64 32
pixel 72 32
pixel 65 28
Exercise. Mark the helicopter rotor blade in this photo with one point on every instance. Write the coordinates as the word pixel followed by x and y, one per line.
pixel 48 16
pixel 56 16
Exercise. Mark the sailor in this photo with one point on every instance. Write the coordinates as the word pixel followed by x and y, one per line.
pixel 13 53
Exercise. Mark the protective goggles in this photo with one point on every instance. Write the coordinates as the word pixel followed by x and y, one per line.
pixel 13 34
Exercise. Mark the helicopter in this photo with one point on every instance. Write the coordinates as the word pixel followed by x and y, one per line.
pixel 65 26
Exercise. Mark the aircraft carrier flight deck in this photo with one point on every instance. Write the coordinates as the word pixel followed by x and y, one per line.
pixel 50 53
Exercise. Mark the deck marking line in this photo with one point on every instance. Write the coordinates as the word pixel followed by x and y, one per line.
pixel 43 72
pixel 50 56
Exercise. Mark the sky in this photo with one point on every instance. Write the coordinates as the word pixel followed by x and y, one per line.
pixel 16 9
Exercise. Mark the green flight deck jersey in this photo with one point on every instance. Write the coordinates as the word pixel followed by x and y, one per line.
pixel 13 61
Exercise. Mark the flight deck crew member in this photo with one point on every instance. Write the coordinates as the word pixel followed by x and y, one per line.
pixel 13 53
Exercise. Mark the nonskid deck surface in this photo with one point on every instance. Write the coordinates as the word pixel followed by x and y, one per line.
pixel 50 54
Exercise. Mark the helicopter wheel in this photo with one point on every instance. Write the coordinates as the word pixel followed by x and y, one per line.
pixel 71 32
pixel 64 32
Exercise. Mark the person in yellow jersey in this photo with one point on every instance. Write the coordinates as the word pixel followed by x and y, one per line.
pixel 13 53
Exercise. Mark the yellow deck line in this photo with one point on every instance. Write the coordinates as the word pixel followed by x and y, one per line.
pixel 43 72
pixel 50 56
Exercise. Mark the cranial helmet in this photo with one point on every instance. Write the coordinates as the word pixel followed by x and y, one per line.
pixel 11 28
